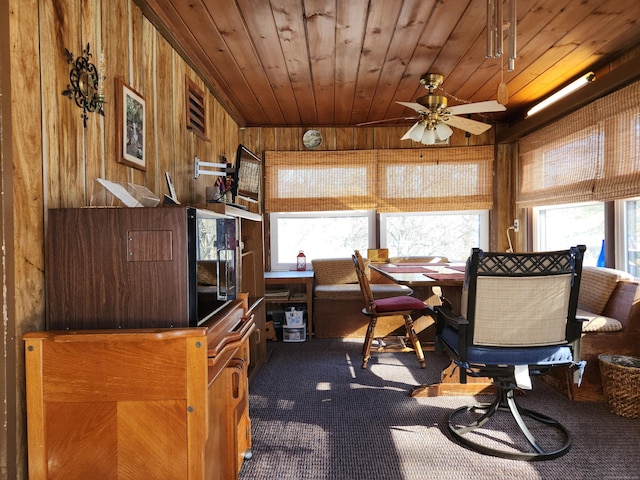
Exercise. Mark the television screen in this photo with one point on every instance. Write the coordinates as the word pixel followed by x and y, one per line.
pixel 248 175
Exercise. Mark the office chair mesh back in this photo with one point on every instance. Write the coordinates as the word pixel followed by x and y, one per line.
pixel 524 311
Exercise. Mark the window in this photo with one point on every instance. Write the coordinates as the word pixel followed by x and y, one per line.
pixel 319 235
pixel 449 234
pixel 561 226
pixel 628 223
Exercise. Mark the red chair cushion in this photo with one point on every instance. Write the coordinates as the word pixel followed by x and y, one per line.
pixel 393 304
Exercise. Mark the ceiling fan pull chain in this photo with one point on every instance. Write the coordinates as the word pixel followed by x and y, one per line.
pixel 453 97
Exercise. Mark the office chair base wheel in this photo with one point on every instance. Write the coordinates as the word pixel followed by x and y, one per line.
pixel 528 450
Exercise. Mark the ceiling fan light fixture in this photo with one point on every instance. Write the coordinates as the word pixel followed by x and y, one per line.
pixel 429 136
pixel 415 133
pixel 443 130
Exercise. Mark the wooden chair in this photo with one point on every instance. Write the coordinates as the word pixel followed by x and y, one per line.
pixel 403 305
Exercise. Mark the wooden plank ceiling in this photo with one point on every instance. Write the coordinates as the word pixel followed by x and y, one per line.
pixel 344 62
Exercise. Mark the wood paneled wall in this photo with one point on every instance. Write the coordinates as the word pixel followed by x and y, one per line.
pixel 55 159
pixel 347 138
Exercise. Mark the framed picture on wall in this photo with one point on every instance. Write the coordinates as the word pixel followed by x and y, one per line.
pixel 130 126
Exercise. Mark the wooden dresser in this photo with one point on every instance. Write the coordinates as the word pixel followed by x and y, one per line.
pixel 140 403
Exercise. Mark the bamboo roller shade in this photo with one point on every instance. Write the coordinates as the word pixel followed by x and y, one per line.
pixel 401 180
pixel 591 154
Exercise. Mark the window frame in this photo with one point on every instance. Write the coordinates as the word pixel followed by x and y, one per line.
pixel 620 228
pixel 276 265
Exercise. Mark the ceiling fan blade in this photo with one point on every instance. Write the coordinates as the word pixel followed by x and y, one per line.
pixel 415 106
pixel 472 126
pixel 479 107
pixel 387 120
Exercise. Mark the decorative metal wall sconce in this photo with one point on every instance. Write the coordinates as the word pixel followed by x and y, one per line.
pixel 86 85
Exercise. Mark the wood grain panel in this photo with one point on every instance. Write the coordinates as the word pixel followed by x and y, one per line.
pixel 184 147
pixel 152 439
pixel 154 175
pixel 261 23
pixel 344 138
pixel 197 407
pixel 289 139
pixel 363 138
pixel 169 157
pixel 321 42
pixel 289 21
pixel 230 136
pixel 439 28
pixel 122 294
pixel 115 28
pixel 230 23
pixel 81 372
pixel 408 30
pixel 503 213
pixel 350 33
pixel 65 155
pixel 90 163
pixel 81 439
pixel 381 22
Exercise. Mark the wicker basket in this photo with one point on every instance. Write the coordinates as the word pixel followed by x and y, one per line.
pixel 621 384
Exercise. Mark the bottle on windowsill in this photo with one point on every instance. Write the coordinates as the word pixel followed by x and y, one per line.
pixel 601 256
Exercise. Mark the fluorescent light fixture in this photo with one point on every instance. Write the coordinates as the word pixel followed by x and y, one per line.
pixel 572 87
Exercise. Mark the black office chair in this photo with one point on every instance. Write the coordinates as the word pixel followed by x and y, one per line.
pixel 518 319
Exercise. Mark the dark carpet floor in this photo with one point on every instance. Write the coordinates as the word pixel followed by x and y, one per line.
pixel 317 415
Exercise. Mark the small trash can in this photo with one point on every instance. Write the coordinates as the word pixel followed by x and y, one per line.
pixel 621 384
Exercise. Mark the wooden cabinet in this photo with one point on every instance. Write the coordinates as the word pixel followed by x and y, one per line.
pixel 143 370
pixel 153 267
pixel 144 403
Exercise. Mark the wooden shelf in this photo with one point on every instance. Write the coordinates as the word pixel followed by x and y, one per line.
pixel 290 278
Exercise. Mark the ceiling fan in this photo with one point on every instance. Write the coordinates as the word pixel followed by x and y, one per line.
pixel 434 117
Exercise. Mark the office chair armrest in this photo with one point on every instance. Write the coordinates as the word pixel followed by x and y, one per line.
pixel 444 316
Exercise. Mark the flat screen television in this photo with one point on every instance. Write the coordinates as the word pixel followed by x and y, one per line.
pixel 248 175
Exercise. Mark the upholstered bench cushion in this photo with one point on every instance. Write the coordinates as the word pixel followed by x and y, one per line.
pixel 351 291
pixel 596 287
pixel 598 323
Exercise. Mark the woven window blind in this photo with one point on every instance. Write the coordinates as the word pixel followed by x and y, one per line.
pixel 434 179
pixel 591 154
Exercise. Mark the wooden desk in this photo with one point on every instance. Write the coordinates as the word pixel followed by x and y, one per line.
pixel 294 277
pixel 450 278
pixel 417 274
